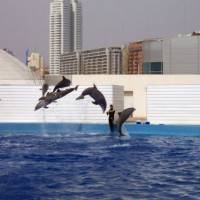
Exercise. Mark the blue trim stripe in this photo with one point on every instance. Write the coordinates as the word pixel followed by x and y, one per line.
pixel 131 129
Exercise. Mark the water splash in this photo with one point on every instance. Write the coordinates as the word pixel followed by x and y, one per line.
pixel 43 124
pixel 124 131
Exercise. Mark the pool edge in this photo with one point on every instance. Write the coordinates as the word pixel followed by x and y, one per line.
pixel 131 129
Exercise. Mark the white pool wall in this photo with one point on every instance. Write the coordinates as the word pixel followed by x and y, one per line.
pixel 18 103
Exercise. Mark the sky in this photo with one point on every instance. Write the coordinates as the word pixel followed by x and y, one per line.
pixel 24 24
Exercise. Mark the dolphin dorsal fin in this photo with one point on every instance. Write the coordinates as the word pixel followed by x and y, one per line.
pixel 76 87
pixel 119 113
pixel 58 90
pixel 63 77
pixel 95 86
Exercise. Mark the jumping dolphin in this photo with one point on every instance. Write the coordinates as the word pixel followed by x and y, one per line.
pixel 52 97
pixel 49 96
pixel 43 104
pixel 64 83
pixel 44 101
pixel 44 89
pixel 96 95
pixel 59 94
pixel 123 116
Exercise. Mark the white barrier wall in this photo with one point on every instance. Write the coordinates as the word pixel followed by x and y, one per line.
pixel 137 85
pixel 18 104
pixel 173 104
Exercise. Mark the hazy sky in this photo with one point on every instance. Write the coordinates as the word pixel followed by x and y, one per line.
pixel 25 23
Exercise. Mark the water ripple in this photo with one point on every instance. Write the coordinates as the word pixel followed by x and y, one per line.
pixel 92 166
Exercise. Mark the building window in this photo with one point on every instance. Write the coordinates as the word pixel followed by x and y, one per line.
pixel 153 68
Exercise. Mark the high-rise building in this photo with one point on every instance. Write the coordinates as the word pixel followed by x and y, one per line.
pixel 76 25
pixel 65 30
pixel 70 63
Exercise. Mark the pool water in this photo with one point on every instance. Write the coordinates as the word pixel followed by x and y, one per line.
pixel 96 166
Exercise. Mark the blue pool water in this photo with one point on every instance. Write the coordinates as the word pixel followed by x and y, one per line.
pixel 98 166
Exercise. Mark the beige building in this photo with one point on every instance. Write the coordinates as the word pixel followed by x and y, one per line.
pixel 135 87
pixel 36 64
pixel 167 99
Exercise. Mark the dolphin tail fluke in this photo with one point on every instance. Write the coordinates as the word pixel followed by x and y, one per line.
pixel 80 97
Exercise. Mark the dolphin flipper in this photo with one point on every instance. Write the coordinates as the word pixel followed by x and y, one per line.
pixel 94 102
pixel 119 113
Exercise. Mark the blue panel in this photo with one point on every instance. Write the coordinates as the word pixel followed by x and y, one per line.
pixel 131 129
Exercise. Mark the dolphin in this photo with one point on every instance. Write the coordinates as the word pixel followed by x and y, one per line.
pixel 43 104
pixel 123 116
pixel 96 95
pixel 59 94
pixel 44 89
pixel 52 97
pixel 49 96
pixel 44 101
pixel 63 83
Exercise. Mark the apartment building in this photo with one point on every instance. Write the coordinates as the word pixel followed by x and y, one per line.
pixel 70 63
pixel 96 61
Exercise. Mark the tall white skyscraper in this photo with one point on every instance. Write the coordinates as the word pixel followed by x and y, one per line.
pixel 77 25
pixel 65 30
